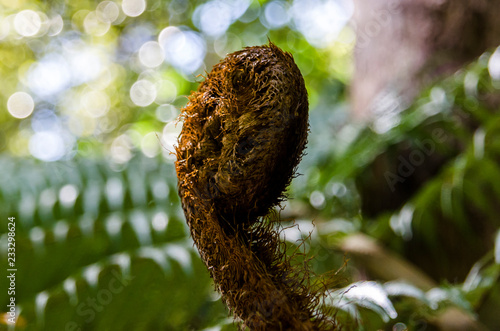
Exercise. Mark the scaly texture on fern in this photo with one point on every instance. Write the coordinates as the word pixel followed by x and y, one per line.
pixel 243 136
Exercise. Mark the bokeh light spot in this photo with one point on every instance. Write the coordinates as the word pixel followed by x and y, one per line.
pixel 227 43
pixel 167 91
pixel 160 221
pixel 95 26
pixel 107 11
pixel 184 49
pixel 160 190
pixel 56 25
pixel 167 113
pixel 276 15
pixel 20 105
pixel 96 103
pixel 133 8
pixel 150 144
pixel 169 137
pixel 320 21
pixel 494 65
pixel 49 76
pixel 317 199
pixel 47 146
pixel 86 63
pixel 143 93
pixel 27 23
pixel 151 54
pixel 121 149
pixel 68 194
pixel 214 17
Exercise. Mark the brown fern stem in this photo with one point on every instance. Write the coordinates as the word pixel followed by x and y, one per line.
pixel 243 135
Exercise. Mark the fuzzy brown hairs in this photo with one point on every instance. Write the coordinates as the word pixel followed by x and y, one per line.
pixel 243 135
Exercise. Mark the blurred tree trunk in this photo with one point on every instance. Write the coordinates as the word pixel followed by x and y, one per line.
pixel 402 45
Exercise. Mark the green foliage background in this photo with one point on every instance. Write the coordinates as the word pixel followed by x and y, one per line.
pixel 116 254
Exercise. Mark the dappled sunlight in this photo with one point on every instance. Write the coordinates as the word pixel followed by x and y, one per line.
pixel 77 63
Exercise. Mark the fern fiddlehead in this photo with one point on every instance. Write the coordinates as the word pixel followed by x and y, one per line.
pixel 243 136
